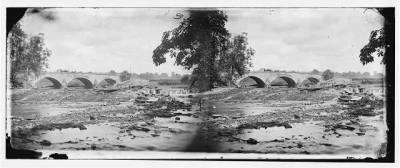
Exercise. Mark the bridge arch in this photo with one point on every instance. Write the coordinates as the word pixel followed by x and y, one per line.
pixel 290 82
pixel 106 82
pixel 86 82
pixel 310 81
pixel 259 82
pixel 313 79
pixel 55 83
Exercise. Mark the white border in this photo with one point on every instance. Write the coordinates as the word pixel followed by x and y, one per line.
pixel 184 3
pixel 203 3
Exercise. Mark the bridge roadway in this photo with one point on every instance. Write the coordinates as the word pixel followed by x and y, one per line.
pixel 262 79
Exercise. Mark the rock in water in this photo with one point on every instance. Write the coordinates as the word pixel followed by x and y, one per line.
pixel 299 145
pixel 252 141
pixel 58 156
pixel 360 133
pixel 45 143
pixel 155 135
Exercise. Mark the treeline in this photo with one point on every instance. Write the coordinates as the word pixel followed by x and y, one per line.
pixel 125 75
pixel 146 75
pixel 350 74
pixel 353 75
pixel 152 76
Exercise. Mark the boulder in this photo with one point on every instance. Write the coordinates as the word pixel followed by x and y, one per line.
pixel 252 141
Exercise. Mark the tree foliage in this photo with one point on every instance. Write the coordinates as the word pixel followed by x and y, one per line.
pixel 376 45
pixel 315 71
pixel 327 74
pixel 17 46
pixel 112 72
pixel 381 41
pixel 201 43
pixel 37 56
pixel 27 55
pixel 196 43
pixel 124 76
pixel 236 61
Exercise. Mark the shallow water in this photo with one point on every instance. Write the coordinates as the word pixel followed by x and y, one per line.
pixel 53 109
pixel 245 108
pixel 38 110
pixel 314 139
pixel 110 137
pixel 176 133
pixel 272 133
pixel 169 134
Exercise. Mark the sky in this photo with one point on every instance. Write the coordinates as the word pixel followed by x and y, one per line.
pixel 301 39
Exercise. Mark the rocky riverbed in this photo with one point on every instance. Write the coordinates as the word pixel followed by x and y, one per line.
pixel 258 120
pixel 289 121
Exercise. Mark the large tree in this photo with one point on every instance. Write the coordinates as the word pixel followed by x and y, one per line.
pixel 16 45
pixel 27 56
pixel 196 44
pixel 236 61
pixel 37 56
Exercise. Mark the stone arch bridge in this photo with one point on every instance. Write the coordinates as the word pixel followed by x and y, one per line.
pixel 64 79
pixel 293 79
